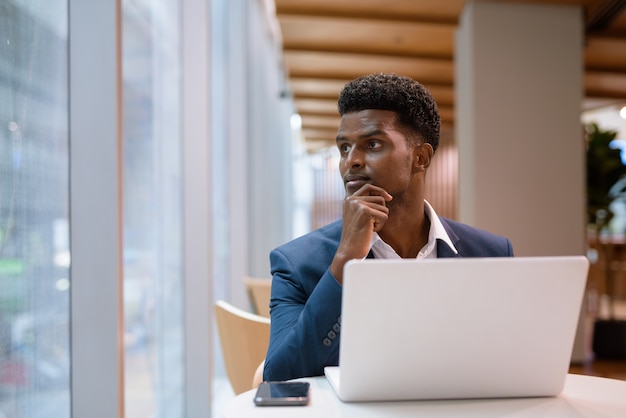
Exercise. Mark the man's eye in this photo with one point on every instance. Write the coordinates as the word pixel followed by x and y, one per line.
pixel 374 144
pixel 344 148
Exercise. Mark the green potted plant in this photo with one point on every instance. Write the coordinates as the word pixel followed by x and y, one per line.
pixel 606 183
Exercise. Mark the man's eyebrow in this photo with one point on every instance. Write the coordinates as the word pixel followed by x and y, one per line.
pixel 371 133
pixel 363 135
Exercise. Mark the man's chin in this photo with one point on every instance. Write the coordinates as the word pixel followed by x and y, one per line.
pixel 352 187
pixel 351 190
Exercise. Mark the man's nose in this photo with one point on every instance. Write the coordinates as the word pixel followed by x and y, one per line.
pixel 354 158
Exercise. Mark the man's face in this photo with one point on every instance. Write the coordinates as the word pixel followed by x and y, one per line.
pixel 374 149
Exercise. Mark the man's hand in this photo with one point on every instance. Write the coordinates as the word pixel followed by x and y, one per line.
pixel 364 213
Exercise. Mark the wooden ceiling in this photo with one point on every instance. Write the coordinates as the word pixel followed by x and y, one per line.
pixel 326 43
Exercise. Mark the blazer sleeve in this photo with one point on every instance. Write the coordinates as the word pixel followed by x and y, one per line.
pixel 305 314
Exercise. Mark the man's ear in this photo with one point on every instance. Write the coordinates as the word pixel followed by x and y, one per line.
pixel 424 154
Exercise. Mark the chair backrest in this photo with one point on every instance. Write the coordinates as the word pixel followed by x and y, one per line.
pixel 244 339
pixel 259 291
pixel 258 375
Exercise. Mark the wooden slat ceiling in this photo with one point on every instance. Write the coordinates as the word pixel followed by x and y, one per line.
pixel 326 43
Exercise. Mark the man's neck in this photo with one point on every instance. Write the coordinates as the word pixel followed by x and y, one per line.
pixel 406 233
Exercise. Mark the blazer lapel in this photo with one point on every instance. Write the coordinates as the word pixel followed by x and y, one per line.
pixel 444 251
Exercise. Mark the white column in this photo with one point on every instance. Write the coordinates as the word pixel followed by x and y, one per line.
pixel 519 84
pixel 95 209
pixel 198 213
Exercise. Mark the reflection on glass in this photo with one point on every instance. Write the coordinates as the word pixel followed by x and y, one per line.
pixel 34 229
pixel 152 219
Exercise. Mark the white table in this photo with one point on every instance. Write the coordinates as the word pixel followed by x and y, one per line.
pixel 583 396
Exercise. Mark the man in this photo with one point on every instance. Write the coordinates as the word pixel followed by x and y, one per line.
pixel 388 134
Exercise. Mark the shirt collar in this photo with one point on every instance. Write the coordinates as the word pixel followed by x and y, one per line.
pixel 437 231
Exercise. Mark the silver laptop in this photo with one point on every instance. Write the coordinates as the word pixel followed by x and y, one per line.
pixel 457 328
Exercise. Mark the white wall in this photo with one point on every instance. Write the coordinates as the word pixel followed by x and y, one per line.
pixel 521 148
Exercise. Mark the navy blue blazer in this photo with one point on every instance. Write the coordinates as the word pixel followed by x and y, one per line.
pixel 305 305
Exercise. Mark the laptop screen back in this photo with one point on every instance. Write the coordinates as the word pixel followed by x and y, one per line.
pixel 458 328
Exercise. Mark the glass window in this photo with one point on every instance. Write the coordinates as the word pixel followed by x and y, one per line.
pixel 154 363
pixel 34 230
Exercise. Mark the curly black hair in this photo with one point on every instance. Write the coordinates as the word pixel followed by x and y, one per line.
pixel 411 101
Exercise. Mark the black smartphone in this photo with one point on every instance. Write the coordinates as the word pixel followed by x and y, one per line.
pixel 282 394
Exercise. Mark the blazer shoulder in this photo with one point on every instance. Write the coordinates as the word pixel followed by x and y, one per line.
pixel 326 237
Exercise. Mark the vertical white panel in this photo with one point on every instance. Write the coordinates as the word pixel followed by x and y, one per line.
pixel 270 141
pixel 197 213
pixel 95 207
pixel 238 153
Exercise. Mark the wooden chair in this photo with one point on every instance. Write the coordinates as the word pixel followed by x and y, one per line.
pixel 244 339
pixel 259 291
pixel 258 375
